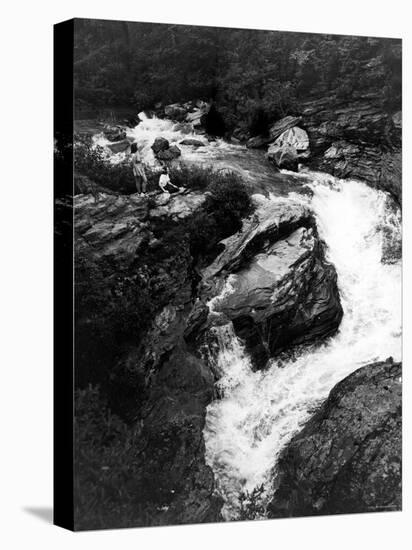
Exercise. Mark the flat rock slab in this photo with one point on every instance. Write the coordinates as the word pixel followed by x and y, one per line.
pixel 116 226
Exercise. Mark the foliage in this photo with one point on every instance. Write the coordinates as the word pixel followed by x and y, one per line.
pixel 106 466
pixel 91 162
pixel 251 506
pixel 192 176
pixel 227 202
pixel 112 311
pixel 252 77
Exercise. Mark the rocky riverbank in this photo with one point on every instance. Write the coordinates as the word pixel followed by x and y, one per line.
pixel 348 457
pixel 269 277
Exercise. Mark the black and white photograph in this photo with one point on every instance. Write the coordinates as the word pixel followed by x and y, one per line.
pixel 205 275
pixel 237 246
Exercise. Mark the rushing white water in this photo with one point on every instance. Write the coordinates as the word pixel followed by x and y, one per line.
pixel 260 411
pixel 149 129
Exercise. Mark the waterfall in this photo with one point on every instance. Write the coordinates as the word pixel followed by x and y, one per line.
pixel 259 412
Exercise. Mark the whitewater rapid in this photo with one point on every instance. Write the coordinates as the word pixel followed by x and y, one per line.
pixel 259 412
pixel 148 129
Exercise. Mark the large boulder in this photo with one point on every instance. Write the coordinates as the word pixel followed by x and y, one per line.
pixel 275 131
pixel 290 147
pixel 275 284
pixel 257 142
pixel 114 133
pixel 160 144
pixel 197 116
pixel 348 457
pixel 169 154
pixel 119 146
pixel 284 157
pixel 294 137
pixel 282 125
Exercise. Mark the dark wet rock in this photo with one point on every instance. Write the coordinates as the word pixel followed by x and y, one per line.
pixel 110 226
pixel 160 144
pixel 169 154
pixel 119 146
pixel 390 177
pixel 192 142
pixel 284 157
pixel 257 142
pixel 183 127
pixel 213 122
pixel 114 133
pixel 174 479
pixel 347 459
pixel 157 383
pixel 392 232
pixel 242 134
pixel 357 139
pixel 197 116
pixel 196 321
pixel 280 291
pixel 282 125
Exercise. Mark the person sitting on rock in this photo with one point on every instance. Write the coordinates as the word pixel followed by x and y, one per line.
pixel 138 170
pixel 164 181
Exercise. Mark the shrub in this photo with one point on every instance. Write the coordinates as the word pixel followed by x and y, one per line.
pixel 192 176
pixel 113 309
pixel 251 506
pixel 91 162
pixel 226 204
pixel 106 465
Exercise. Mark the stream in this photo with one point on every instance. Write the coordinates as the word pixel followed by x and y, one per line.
pixel 259 412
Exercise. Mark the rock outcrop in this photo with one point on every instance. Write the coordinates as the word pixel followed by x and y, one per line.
pixel 157 383
pixel 174 479
pixel 276 286
pixel 277 129
pixel 192 112
pixel 348 457
pixel 357 139
pixel 110 226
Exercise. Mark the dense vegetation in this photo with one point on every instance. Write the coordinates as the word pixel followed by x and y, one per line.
pixel 252 77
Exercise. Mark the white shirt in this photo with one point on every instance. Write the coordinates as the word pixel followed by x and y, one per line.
pixel 163 181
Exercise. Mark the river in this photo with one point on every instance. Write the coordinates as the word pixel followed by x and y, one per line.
pixel 259 412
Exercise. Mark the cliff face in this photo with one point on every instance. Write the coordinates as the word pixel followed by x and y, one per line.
pixel 356 138
pixel 347 458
